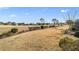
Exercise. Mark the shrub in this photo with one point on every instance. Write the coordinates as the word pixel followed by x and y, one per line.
pixel 73 29
pixel 69 44
pixel 14 30
pixel 42 27
pixel 76 45
pixel 76 34
pixel 9 33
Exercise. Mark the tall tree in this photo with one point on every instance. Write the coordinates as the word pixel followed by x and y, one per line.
pixel 70 23
pixel 55 21
pixel 42 23
pixel 42 20
pixel 71 18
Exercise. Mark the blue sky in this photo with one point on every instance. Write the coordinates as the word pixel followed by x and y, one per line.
pixel 33 14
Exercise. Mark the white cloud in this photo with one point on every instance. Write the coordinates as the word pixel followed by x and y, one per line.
pixel 13 15
pixel 64 10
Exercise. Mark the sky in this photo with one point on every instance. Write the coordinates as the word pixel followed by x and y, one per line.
pixel 33 14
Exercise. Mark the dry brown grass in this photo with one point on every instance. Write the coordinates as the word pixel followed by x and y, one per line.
pixel 44 40
pixel 6 28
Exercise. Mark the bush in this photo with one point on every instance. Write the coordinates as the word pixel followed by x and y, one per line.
pixel 42 27
pixel 73 29
pixel 76 34
pixel 69 44
pixel 14 30
pixel 9 33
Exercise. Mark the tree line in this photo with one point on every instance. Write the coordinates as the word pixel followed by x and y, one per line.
pixel 42 22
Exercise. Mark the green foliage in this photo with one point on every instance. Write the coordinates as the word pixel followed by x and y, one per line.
pixel 77 24
pixel 14 30
pixel 70 22
pixel 69 44
pixel 42 27
pixel 41 19
pixel 13 23
pixel 55 21
pixel 76 34
pixel 73 29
